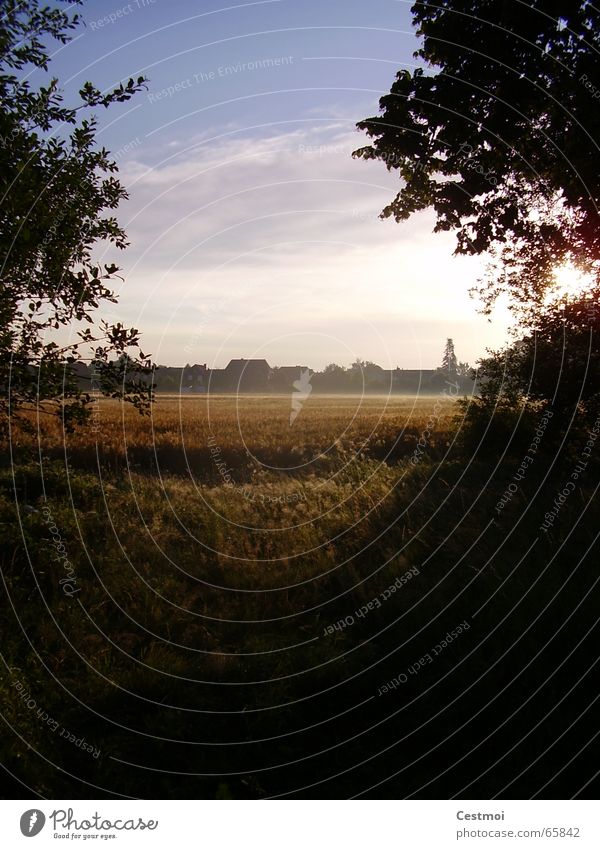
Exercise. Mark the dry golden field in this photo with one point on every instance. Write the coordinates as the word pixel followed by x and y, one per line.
pixel 253 432
pixel 227 484
pixel 229 479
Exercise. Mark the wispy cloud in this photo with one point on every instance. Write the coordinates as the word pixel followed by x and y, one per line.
pixel 282 230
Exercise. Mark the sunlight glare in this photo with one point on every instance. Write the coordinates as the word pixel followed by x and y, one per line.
pixel 569 282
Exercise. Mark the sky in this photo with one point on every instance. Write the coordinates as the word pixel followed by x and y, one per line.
pixel 253 232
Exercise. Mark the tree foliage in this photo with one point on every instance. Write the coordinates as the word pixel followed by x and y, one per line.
pixel 498 134
pixel 58 196
pixel 554 366
pixel 556 362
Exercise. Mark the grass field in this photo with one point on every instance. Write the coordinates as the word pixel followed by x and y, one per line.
pixel 213 599
pixel 254 431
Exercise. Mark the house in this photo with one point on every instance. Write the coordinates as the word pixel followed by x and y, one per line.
pixel 412 380
pixel 283 377
pixel 194 378
pixel 370 376
pixel 241 376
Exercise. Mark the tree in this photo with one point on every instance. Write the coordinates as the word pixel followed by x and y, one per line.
pixel 554 368
pixel 449 361
pixel 333 378
pixel 58 192
pixel 334 368
pixel 500 136
pixel 557 362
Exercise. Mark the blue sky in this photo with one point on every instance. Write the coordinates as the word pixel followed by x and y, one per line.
pixel 253 231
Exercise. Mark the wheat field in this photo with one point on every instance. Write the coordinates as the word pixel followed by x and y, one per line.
pixel 253 431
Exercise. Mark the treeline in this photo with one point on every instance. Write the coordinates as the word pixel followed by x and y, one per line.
pixel 369 378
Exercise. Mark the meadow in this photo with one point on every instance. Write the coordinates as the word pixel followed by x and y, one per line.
pixel 210 601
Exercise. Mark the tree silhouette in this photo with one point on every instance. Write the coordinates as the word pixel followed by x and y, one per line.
pixel 55 192
pixel 557 361
pixel 449 361
pixel 500 136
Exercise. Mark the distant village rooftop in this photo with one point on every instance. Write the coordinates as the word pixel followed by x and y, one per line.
pixel 243 375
